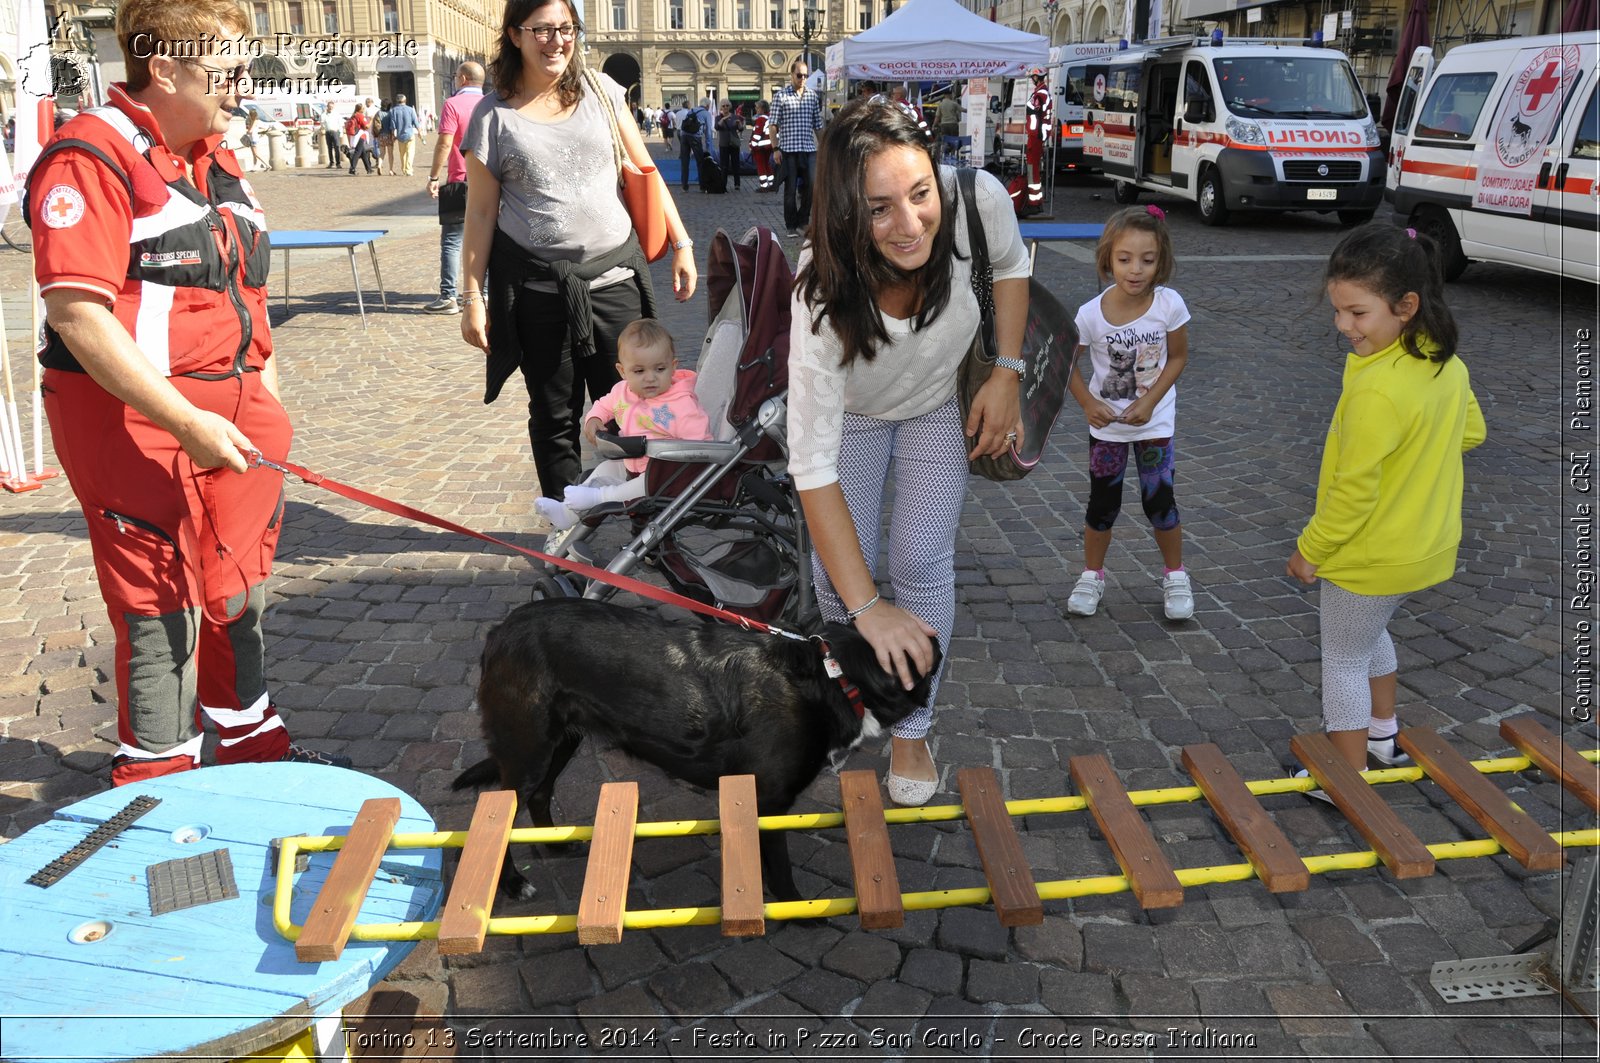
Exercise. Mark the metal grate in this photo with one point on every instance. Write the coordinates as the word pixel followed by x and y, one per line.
pixel 1490 978
pixel 1345 170
pixel 191 882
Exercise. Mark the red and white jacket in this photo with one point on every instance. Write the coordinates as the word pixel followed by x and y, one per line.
pixel 760 135
pixel 182 262
pixel 1041 109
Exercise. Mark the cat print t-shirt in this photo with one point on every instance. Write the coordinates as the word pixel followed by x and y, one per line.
pixel 1128 358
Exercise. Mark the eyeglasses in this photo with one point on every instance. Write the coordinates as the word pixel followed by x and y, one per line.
pixel 542 34
pixel 798 74
pixel 215 76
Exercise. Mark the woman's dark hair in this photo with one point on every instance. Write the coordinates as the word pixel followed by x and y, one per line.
pixel 505 69
pixel 847 271
pixel 1389 262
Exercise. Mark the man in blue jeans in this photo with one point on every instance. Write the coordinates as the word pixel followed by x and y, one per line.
pixel 692 144
pixel 448 162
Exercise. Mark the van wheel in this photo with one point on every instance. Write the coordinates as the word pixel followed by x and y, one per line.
pixel 1437 225
pixel 1124 192
pixel 1208 196
pixel 1353 218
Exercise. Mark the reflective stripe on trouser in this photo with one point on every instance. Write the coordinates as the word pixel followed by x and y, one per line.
pixel 1035 159
pixel 928 457
pixel 182 556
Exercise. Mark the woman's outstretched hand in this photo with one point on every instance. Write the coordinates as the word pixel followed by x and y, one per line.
pixel 900 640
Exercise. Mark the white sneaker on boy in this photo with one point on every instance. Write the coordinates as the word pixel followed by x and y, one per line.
pixel 1086 594
pixel 1178 595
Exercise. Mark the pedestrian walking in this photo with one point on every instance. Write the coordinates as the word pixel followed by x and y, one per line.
pixel 332 136
pixel 160 387
pixel 358 131
pixel 383 129
pixel 403 126
pixel 884 313
pixel 1388 515
pixel 761 146
pixel 452 191
pixel 796 117
pixel 694 127
pixel 252 139
pixel 543 207
pixel 1137 338
pixel 729 128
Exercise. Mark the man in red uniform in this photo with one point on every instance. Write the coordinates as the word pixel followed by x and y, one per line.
pixel 151 254
pixel 1041 116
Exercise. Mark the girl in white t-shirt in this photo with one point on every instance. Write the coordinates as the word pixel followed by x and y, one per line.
pixel 1138 342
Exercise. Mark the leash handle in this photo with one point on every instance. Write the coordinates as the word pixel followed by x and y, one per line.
pixel 611 579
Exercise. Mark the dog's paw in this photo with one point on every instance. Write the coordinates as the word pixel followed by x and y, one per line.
pixel 527 891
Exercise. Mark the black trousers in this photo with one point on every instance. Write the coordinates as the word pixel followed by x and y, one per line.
pixel 561 388
pixel 730 164
pixel 688 148
pixel 801 164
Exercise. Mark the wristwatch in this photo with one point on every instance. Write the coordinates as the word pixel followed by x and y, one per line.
pixel 1016 365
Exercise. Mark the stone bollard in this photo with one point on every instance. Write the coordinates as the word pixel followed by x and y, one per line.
pixel 303 154
pixel 275 160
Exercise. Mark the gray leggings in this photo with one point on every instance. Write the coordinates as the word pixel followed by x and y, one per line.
pixel 1355 648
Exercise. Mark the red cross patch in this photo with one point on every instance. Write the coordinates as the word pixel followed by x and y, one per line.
pixel 63 207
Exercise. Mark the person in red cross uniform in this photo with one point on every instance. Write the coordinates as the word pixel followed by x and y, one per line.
pixel 159 385
pixel 1041 116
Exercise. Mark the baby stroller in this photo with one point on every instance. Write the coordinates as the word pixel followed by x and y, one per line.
pixel 720 519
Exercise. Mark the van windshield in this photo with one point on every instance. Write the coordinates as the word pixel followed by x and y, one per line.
pixel 1276 86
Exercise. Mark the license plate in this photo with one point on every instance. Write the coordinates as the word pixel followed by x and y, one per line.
pixel 1322 193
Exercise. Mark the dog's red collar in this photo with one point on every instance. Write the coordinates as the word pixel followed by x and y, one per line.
pixel 852 693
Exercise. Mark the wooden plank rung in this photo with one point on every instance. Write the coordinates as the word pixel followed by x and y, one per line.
pixel 1400 850
pixel 1555 757
pixel 743 906
pixel 1132 843
pixel 878 900
pixel 1267 848
pixel 1011 886
pixel 1525 840
pixel 605 880
pixel 464 922
pixel 339 901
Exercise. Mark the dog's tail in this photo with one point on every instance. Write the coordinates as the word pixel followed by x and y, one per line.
pixel 485 771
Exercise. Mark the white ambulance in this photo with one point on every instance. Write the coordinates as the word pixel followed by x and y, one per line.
pixel 1246 124
pixel 1071 85
pixel 1496 153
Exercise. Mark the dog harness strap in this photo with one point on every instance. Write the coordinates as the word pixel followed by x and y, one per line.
pixel 612 579
pixel 852 693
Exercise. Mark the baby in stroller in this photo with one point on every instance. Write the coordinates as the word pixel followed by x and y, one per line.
pixel 654 399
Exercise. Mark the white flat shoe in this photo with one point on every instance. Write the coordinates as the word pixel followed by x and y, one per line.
pixel 909 793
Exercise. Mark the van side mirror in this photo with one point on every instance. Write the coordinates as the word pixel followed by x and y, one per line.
pixel 1196 111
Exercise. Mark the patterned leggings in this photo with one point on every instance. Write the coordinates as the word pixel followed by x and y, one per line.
pixel 1356 647
pixel 1108 462
pixel 928 456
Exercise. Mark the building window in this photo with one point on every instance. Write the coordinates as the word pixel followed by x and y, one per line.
pixel 675 15
pixel 741 14
pixel 330 17
pixel 391 16
pixel 864 22
pixel 619 14
pixel 297 19
pixel 774 14
pixel 263 21
pixel 708 14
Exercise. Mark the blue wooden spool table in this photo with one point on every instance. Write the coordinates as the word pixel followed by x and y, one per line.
pixel 287 240
pixel 92 975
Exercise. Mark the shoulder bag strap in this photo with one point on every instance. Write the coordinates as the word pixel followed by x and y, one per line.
pixel 611 113
pixel 978 248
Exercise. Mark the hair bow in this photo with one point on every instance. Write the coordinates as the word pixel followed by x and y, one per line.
pixel 1155 212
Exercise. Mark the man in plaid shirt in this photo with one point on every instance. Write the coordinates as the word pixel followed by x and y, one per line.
pixel 796 117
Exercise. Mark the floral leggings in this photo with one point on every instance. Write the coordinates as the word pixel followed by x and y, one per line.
pixel 1108 462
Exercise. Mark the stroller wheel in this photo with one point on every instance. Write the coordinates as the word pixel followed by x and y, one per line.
pixel 553 587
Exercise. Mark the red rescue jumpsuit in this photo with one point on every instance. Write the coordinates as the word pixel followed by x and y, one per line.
pixel 181 553
pixel 1041 113
pixel 761 151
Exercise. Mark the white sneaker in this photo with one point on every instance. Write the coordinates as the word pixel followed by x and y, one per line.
pixel 1086 594
pixel 1178 595
pixel 1387 751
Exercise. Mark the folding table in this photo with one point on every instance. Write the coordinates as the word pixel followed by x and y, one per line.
pixel 287 240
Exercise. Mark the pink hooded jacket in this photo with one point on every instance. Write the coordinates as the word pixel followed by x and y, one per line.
pixel 674 414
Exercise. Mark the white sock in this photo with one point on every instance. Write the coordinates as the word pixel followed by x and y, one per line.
pixel 554 511
pixel 581 497
pixel 1379 729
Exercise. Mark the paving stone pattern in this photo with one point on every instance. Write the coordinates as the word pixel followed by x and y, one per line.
pixel 377 626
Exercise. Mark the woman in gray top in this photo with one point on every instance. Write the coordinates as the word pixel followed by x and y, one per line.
pixel 546 223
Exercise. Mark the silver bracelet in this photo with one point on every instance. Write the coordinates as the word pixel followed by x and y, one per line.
pixel 471 297
pixel 852 614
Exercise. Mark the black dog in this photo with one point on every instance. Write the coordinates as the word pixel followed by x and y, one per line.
pixel 698 701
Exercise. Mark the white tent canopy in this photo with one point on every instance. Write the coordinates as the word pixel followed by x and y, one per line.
pixel 936 40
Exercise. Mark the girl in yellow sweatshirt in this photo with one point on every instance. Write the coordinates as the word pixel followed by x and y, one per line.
pixel 1388 517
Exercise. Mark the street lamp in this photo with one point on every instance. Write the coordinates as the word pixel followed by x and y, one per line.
pixel 804 24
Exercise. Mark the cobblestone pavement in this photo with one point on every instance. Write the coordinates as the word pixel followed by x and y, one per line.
pixel 377 625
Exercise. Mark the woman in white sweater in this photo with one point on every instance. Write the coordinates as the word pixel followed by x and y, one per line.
pixel 883 313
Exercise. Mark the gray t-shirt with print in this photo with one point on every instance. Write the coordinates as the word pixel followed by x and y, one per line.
pixel 558 180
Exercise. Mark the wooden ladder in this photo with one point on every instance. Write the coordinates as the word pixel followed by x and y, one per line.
pixel 879 904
